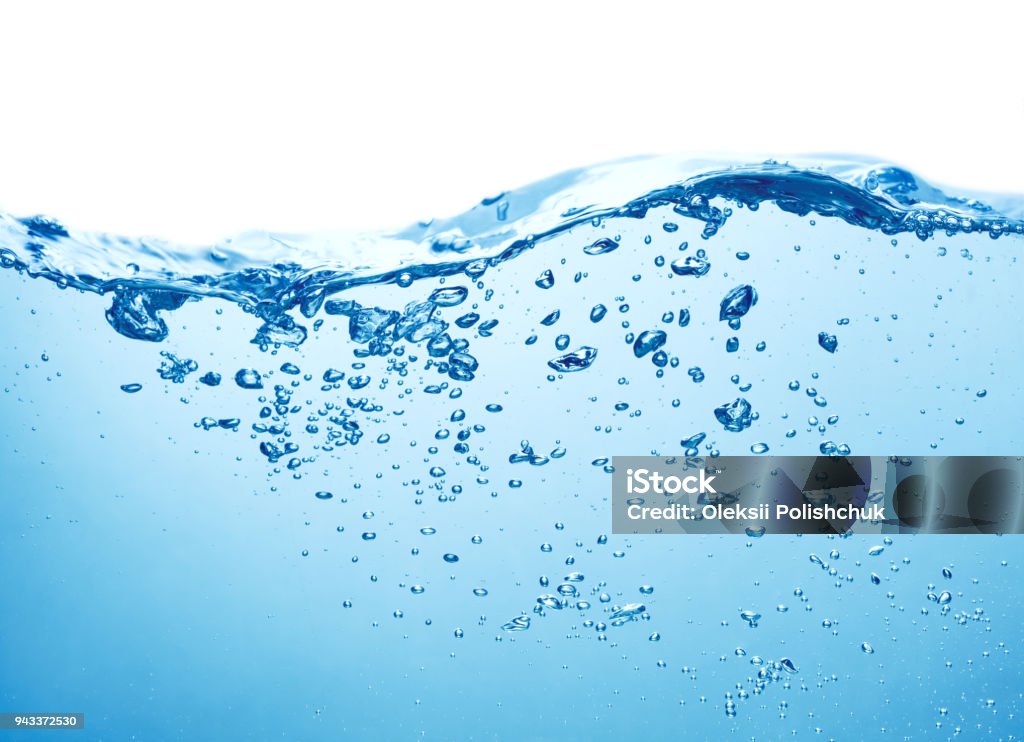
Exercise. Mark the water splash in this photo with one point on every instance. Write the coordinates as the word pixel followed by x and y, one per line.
pixel 269 274
pixel 488 367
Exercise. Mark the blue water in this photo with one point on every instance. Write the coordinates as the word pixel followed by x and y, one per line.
pixel 343 486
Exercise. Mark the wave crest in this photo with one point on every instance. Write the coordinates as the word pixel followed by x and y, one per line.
pixel 269 274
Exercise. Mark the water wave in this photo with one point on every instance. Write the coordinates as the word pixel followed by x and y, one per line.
pixel 269 274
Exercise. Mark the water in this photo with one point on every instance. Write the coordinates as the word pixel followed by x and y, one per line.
pixel 361 486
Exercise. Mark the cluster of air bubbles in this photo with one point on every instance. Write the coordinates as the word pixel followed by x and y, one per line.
pixel 766 673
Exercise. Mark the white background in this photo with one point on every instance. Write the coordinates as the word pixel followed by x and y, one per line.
pixel 194 120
